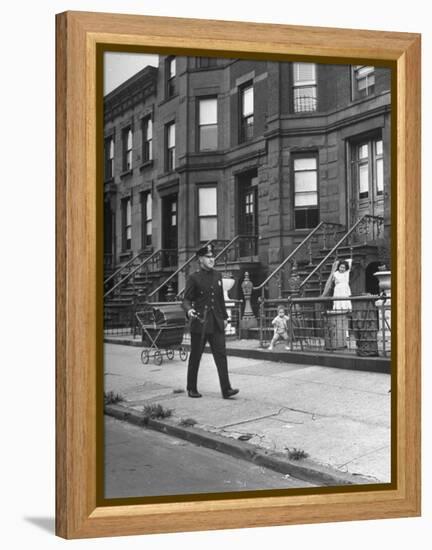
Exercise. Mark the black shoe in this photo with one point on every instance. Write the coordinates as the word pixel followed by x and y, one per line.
pixel 194 393
pixel 230 393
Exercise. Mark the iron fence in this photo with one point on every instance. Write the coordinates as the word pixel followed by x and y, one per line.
pixel 358 326
pixel 120 319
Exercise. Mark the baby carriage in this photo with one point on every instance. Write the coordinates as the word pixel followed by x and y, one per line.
pixel 162 332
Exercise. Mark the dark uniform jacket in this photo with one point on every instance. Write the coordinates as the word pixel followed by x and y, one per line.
pixel 204 293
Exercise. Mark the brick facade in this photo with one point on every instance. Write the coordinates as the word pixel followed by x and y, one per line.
pixel 280 135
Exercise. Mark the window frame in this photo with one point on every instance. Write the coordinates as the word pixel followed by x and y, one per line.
pixel 308 209
pixel 170 162
pixel 127 153
pixel 371 161
pixel 126 227
pixel 246 122
pixel 210 185
pixel 306 84
pixel 146 237
pixel 109 153
pixel 170 77
pixel 147 144
pixel 201 126
pixel 369 90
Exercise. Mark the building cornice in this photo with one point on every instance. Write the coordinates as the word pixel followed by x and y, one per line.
pixel 326 124
pixel 131 93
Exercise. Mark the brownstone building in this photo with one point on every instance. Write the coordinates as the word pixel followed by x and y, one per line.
pixel 204 149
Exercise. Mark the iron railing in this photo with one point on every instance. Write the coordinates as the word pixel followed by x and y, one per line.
pixel 320 325
pixel 123 270
pixel 184 268
pixel 366 228
pixel 321 236
pixel 305 104
pixel 160 259
pixel 240 248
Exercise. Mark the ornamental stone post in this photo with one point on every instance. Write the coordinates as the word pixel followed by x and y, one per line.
pixel 384 312
pixel 248 319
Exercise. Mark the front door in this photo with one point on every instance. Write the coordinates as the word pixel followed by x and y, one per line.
pixel 248 212
pixel 367 178
pixel 169 228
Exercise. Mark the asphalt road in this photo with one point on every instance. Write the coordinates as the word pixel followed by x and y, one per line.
pixel 141 462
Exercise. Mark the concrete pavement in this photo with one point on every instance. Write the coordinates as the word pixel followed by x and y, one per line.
pixel 340 418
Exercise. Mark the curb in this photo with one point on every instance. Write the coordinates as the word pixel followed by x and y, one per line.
pixel 336 361
pixel 306 469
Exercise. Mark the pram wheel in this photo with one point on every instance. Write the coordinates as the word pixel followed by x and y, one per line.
pixel 170 354
pixel 158 357
pixel 183 353
pixel 144 357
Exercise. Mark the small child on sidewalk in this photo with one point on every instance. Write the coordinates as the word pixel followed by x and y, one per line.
pixel 281 325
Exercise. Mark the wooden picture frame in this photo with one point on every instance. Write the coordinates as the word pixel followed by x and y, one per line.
pixel 78 271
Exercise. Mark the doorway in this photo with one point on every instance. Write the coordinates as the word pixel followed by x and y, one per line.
pixel 247 211
pixel 367 178
pixel 170 228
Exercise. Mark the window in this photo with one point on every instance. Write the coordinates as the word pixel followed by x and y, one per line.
pixel 126 211
pixel 368 166
pixel 206 62
pixel 146 217
pixel 247 112
pixel 109 158
pixel 207 213
pixel 208 129
pixel 173 213
pixel 379 167
pixel 363 81
pixel 170 146
pixel 306 213
pixel 304 87
pixel 147 139
pixel 170 74
pixel 127 149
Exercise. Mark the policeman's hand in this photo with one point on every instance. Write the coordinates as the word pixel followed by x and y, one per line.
pixel 192 314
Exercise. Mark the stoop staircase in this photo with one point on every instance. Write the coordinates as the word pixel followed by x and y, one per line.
pixel 304 272
pixel 128 287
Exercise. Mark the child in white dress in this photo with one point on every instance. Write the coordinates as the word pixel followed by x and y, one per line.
pixel 341 273
pixel 280 324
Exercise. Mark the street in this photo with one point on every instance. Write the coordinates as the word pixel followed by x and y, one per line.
pixel 340 418
pixel 141 462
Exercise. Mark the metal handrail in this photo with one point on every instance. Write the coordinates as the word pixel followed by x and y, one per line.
pixel 232 241
pixel 124 266
pixel 337 245
pixel 178 270
pixel 225 249
pixel 294 252
pixel 130 273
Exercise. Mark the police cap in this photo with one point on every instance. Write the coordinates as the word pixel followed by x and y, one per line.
pixel 206 250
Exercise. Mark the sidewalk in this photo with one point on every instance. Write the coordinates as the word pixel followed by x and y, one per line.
pixel 251 349
pixel 340 418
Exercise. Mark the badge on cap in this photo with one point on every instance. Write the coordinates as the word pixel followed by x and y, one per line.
pixel 205 250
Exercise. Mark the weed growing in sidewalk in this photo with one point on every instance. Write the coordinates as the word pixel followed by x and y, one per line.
pixel 187 422
pixel 112 398
pixel 156 410
pixel 296 454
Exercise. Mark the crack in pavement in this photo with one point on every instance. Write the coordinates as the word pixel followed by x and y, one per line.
pixel 363 455
pixel 269 416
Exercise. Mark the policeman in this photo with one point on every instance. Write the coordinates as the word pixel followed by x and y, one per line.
pixel 204 305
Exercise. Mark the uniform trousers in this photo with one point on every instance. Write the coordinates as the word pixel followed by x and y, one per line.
pixel 216 340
